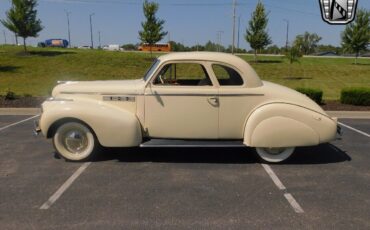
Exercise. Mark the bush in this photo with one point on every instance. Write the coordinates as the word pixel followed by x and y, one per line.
pixel 314 94
pixel 355 96
pixel 10 95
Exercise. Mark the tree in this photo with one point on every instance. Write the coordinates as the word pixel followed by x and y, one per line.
pixel 153 27
pixel 356 35
pixel 257 35
pixel 307 42
pixel 21 19
pixel 293 54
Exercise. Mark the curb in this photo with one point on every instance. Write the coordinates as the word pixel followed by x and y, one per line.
pixel 338 114
pixel 20 111
pixel 350 114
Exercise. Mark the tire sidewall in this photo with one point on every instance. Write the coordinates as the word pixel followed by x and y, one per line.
pixel 87 154
pixel 272 158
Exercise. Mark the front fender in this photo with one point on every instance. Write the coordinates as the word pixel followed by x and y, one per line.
pixel 287 125
pixel 113 126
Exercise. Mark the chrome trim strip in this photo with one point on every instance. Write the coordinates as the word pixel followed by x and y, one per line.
pixel 58 99
pixel 191 146
pixel 167 94
pixel 103 94
pixel 207 95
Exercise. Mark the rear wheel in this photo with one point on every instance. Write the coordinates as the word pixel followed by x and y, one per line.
pixel 75 141
pixel 275 155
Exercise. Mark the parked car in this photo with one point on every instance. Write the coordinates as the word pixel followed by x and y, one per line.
pixel 85 47
pixel 185 99
pixel 112 48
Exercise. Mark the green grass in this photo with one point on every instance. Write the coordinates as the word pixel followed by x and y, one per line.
pixel 36 74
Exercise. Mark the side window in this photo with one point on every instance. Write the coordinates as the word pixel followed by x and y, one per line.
pixel 227 76
pixel 183 74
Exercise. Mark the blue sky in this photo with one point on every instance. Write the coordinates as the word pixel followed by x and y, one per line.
pixel 188 21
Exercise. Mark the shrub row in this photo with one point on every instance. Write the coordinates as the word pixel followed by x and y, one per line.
pixel 314 94
pixel 10 95
pixel 355 96
pixel 352 96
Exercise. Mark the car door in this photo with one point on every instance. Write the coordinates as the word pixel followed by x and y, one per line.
pixel 181 102
pixel 236 100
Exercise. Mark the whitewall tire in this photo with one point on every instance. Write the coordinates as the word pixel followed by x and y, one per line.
pixel 275 155
pixel 75 142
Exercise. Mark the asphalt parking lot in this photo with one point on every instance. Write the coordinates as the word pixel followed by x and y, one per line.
pixel 322 187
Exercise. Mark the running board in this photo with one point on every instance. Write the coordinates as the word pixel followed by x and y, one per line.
pixel 155 143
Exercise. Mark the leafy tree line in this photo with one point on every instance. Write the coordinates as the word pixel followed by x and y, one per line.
pixel 22 19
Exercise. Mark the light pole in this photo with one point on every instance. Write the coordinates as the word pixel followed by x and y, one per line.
pixel 234 16
pixel 287 34
pixel 238 33
pixel 99 40
pixel 69 30
pixel 91 31
pixel 219 34
pixel 4 37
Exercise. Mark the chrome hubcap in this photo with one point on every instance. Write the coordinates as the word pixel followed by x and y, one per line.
pixel 274 151
pixel 75 141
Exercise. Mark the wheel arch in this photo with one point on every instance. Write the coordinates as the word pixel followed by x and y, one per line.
pixel 56 124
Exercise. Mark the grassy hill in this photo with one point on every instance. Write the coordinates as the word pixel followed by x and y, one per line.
pixel 37 73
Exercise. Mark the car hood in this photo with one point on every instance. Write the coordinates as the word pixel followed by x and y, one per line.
pixel 99 87
pixel 287 95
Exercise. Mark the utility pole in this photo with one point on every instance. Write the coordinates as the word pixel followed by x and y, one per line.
pixel 4 37
pixel 91 31
pixel 234 16
pixel 69 31
pixel 219 34
pixel 287 34
pixel 99 40
pixel 238 32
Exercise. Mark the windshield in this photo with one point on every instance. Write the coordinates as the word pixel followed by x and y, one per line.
pixel 151 69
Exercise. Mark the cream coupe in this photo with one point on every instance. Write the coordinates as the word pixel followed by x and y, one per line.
pixel 193 99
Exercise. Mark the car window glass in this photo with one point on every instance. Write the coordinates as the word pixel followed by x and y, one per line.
pixel 183 74
pixel 227 76
pixel 151 69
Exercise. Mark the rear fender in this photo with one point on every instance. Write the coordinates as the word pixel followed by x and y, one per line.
pixel 282 125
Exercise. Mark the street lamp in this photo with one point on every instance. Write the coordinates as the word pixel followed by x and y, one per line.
pixel 287 33
pixel 69 31
pixel 91 31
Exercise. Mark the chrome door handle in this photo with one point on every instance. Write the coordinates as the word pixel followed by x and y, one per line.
pixel 213 100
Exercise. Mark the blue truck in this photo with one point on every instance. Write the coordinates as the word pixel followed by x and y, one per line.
pixel 63 43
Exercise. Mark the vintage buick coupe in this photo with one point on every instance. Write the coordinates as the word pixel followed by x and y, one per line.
pixel 185 100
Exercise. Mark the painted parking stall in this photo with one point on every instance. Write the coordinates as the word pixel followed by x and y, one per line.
pixel 206 188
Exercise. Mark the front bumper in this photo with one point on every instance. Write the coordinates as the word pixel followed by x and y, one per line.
pixel 36 128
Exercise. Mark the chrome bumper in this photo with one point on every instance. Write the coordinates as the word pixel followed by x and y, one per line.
pixel 36 128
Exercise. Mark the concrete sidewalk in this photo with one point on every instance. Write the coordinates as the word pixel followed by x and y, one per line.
pixel 338 114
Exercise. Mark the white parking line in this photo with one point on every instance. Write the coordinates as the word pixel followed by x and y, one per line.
pixel 65 186
pixel 297 208
pixel 289 197
pixel 19 122
pixel 353 129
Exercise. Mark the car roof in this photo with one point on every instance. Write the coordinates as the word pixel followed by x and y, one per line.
pixel 249 75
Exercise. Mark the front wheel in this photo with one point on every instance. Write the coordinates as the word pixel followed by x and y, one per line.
pixel 275 155
pixel 75 141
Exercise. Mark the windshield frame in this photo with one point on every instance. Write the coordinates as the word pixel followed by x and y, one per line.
pixel 151 70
